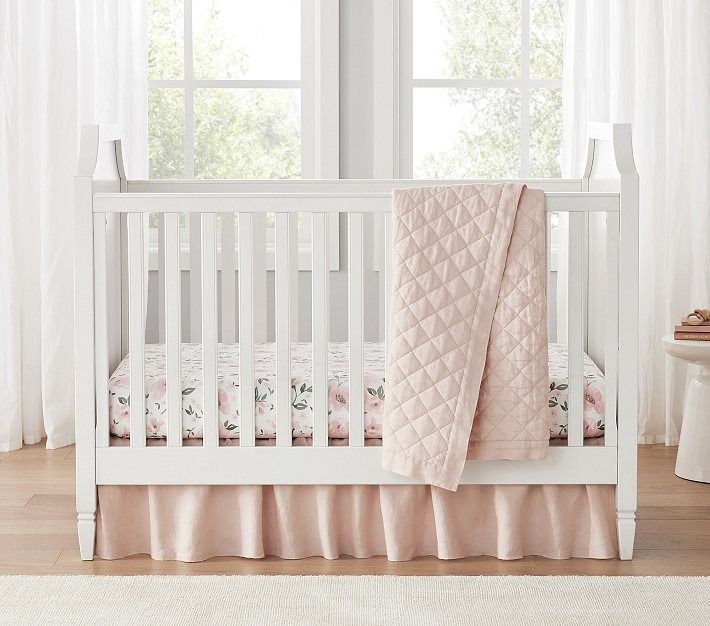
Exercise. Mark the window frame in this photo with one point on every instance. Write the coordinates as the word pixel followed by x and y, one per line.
pixel 319 88
pixel 394 83
pixel 403 11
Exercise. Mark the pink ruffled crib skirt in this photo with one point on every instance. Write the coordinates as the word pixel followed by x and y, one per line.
pixel 194 523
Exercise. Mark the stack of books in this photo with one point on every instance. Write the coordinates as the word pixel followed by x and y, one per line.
pixel 694 332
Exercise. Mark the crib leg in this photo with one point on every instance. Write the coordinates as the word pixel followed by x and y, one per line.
pixel 87 534
pixel 626 529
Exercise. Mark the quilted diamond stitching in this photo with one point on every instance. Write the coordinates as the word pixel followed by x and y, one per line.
pixel 518 333
pixel 443 238
pixel 462 264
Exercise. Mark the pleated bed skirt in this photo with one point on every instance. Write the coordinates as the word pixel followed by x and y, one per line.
pixel 194 523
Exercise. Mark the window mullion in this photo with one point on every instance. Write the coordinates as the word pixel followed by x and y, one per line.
pixel 189 137
pixel 404 128
pixel 525 89
pixel 237 83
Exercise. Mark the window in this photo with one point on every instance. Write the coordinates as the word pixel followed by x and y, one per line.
pixel 233 92
pixel 225 89
pixel 480 88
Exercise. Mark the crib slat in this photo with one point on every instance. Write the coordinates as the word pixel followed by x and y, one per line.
pixel 210 437
pixel 136 328
pixel 246 328
pixel 611 349
pixel 114 282
pixel 293 280
pixel 379 248
pixel 284 289
pixel 161 277
pixel 258 221
pixel 575 294
pixel 101 362
pixel 551 325
pixel 172 328
pixel 356 335
pixel 195 279
pixel 320 332
pixel 388 252
pixel 123 225
pixel 228 259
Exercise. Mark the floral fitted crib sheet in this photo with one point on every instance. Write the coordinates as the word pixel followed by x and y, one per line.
pixel 302 392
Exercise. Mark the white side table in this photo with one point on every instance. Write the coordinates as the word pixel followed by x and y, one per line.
pixel 693 460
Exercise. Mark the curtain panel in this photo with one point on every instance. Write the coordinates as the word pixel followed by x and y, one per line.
pixel 62 64
pixel 647 62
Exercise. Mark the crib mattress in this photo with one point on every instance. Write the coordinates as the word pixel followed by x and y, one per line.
pixel 302 392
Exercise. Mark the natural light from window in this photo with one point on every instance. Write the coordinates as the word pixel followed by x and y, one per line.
pixel 225 89
pixel 486 80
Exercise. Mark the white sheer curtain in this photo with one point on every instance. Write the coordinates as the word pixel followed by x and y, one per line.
pixel 648 62
pixel 62 64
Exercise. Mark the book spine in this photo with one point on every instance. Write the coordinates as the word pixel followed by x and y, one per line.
pixel 692 336
pixel 692 329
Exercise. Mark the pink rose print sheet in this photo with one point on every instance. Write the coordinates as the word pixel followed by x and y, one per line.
pixel 302 392
pixel 559 394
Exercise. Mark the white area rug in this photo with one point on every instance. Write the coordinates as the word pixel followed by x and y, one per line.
pixel 342 600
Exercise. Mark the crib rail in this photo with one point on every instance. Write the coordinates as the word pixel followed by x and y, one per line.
pixel 297 465
pixel 314 202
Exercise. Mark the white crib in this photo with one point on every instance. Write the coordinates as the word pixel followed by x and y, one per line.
pixel 110 292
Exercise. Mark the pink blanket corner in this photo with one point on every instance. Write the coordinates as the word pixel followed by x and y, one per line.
pixel 468 330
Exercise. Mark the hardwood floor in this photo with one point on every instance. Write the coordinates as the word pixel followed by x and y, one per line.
pixel 38 531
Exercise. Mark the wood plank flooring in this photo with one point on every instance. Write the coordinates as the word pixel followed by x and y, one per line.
pixel 38 532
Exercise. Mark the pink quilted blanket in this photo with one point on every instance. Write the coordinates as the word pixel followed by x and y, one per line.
pixel 468 330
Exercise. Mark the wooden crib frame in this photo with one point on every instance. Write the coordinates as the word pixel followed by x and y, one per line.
pixel 110 320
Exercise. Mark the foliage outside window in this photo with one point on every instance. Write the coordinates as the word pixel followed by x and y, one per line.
pixel 221 110
pixel 486 80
